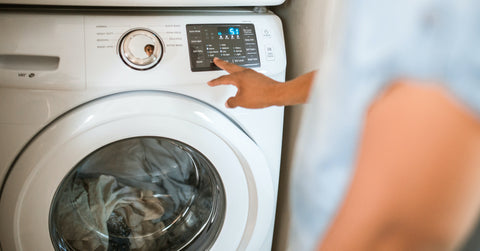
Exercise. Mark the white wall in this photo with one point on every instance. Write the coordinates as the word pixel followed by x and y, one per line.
pixel 306 24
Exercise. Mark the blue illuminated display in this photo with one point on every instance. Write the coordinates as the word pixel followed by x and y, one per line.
pixel 233 31
pixel 228 31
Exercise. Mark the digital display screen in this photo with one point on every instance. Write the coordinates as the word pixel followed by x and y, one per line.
pixel 235 43
pixel 222 31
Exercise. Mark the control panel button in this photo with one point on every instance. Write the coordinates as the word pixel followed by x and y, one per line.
pixel 141 49
pixel 269 53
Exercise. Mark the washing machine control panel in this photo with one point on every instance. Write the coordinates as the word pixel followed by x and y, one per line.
pixel 235 43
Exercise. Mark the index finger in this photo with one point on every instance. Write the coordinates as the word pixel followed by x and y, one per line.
pixel 229 67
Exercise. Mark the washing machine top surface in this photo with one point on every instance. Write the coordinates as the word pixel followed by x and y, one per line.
pixel 155 3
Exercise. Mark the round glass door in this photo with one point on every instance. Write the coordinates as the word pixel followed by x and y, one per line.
pixel 143 193
pixel 136 169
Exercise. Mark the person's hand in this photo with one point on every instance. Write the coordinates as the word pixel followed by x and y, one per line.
pixel 254 90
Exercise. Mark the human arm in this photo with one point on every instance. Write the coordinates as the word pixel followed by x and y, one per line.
pixel 256 90
pixel 417 180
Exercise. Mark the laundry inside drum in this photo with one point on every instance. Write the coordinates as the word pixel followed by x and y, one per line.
pixel 144 193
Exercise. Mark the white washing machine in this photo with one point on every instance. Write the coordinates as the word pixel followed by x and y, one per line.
pixel 110 138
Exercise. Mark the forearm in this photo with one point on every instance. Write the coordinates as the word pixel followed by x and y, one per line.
pixel 295 91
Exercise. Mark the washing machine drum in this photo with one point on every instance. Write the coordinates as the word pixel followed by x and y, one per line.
pixel 145 193
pixel 138 171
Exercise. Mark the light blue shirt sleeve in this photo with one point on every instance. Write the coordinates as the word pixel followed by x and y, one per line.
pixel 383 40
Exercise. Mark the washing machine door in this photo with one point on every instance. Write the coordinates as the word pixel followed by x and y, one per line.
pixel 138 171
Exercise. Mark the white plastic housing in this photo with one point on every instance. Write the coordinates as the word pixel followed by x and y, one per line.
pixel 155 3
pixel 52 62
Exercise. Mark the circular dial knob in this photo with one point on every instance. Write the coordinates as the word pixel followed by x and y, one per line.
pixel 141 49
